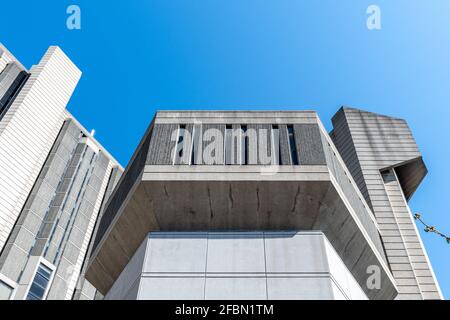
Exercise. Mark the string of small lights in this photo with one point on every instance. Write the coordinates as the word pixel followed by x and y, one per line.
pixel 429 228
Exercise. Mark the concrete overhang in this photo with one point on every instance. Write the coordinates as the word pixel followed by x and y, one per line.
pixel 238 198
pixel 410 174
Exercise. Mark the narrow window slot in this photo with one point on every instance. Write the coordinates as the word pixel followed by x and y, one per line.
pixel 292 145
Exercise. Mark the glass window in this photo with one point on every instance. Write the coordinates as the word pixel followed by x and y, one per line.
pixel 40 283
pixel 6 291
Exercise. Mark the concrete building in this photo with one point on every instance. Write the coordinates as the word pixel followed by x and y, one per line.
pixel 54 178
pixel 265 205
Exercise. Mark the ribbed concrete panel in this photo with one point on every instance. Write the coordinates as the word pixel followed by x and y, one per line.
pixel 162 144
pixel 370 143
pixel 29 129
pixel 413 257
pixel 309 146
pixel 285 151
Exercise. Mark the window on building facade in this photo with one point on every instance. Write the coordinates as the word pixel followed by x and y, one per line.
pixel 6 291
pixel 244 144
pixel 40 283
pixel 292 145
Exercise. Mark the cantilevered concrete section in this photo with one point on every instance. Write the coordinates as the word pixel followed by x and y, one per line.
pixel 237 172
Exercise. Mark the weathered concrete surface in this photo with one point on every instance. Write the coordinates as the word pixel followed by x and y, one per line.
pixel 239 200
pixel 157 193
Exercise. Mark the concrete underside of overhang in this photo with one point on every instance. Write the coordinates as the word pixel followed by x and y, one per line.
pixel 302 199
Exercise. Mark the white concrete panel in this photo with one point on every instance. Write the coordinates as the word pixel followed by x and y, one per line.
pixel 236 289
pixel 179 252
pixel 172 289
pixel 295 252
pixel 236 252
pixel 299 288
pixel 221 265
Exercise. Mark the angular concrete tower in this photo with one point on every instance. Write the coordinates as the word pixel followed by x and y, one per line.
pixel 54 179
pixel 261 205
pixel 386 163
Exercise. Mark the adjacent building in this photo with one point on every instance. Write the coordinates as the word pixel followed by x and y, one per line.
pixel 265 205
pixel 54 179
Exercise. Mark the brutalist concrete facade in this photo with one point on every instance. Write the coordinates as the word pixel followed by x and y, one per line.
pixel 204 188
pixel 54 179
pixel 386 163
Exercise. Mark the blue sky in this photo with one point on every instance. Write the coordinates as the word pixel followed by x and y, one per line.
pixel 139 56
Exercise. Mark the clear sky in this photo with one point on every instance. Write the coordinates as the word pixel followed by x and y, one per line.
pixel 138 56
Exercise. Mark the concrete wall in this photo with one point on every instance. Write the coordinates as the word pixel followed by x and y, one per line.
pixel 53 175
pixel 85 290
pixel 181 191
pixel 369 144
pixel 29 129
pixel 58 219
pixel 236 265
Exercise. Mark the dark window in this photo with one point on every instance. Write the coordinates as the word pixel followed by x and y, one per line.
pixel 12 92
pixel 40 283
pixel 292 145
pixel 244 145
pixel 388 176
pixel 180 140
pixel 193 145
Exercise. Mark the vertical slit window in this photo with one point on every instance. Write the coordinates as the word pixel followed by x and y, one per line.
pixel 194 132
pixel 292 145
pixel 244 145
pixel 196 152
